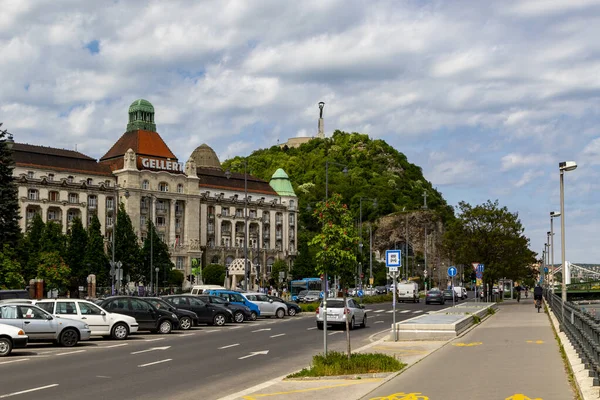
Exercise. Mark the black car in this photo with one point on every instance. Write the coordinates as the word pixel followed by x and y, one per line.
pixel 450 294
pixel 293 308
pixel 187 318
pixel 208 313
pixel 240 312
pixel 380 290
pixel 147 316
pixel 435 296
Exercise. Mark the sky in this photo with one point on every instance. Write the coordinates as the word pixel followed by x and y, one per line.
pixel 487 97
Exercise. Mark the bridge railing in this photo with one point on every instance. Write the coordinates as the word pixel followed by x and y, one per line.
pixel 591 285
pixel 582 329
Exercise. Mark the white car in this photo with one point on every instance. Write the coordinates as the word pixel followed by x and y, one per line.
pixel 101 322
pixel 11 338
pixel 337 313
pixel 267 306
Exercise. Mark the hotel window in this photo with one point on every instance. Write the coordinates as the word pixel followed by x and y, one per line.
pixel 177 223
pixel 92 201
pixel 70 179
pixel 179 263
pixel 225 211
pixel 53 196
pixel 109 203
pixel 180 188
pixel 161 236
pixel 239 212
pixel 71 216
pixel 52 215
pixel 30 213
pixel 32 194
pixel 109 221
pixel 30 174
pixel 107 183
pixel 163 187
pixel 177 240
pixel 160 205
pixel 88 181
pixel 252 213
pixel 145 185
pixel 90 218
pixel 73 198
pixel 160 221
pixel 143 221
pixel 51 177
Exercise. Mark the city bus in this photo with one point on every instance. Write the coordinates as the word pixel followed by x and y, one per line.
pixel 304 284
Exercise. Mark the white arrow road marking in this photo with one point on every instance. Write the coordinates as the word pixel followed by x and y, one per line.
pixel 263 329
pixel 404 312
pixel 155 362
pixel 28 391
pixel 310 329
pixel 281 334
pixel 152 349
pixel 254 353
pixel 13 361
pixel 226 347
pixel 114 345
pixel 70 352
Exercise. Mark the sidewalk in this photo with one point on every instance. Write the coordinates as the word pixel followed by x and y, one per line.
pixel 512 355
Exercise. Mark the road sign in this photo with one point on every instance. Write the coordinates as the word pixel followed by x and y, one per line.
pixel 360 293
pixel 475 266
pixel 452 271
pixel 393 258
pixel 546 270
pixel 425 273
pixel 480 267
pixel 371 281
pixel 393 269
pixel 479 275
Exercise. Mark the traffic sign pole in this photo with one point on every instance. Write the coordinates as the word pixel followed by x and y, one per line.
pixel 395 275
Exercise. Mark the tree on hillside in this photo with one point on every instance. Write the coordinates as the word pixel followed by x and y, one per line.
pixel 75 255
pixel 336 244
pixel 491 235
pixel 127 249
pixel 53 239
pixel 53 271
pixel 161 257
pixel 10 270
pixel 30 247
pixel 95 259
pixel 10 232
pixel 213 274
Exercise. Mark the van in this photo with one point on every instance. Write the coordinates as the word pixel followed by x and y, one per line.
pixel 461 292
pixel 408 292
pixel 200 289
pixel 14 294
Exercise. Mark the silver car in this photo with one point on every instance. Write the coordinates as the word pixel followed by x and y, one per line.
pixel 42 326
pixel 337 313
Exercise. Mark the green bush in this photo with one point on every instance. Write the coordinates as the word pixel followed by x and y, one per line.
pixel 309 307
pixel 476 319
pixel 360 363
pixel 491 311
pixel 379 298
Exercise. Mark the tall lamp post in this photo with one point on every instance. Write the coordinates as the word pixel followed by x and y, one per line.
pixel 157 269
pixel 563 167
pixel 360 245
pixel 325 292
pixel 246 269
pixel 553 214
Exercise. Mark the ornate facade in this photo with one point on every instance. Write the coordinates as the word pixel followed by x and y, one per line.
pixel 198 209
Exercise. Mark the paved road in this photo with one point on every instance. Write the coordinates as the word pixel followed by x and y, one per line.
pixel 206 362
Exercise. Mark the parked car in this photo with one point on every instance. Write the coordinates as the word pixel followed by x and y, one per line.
pixel 100 321
pixel 147 316
pixel 268 307
pixel 337 313
pixel 186 318
pixel 435 296
pixel 207 313
pixel 408 292
pixel 11 338
pixel 301 295
pixel 202 289
pixel 450 295
pixel 42 326
pixel 235 297
pixel 311 296
pixel 380 289
pixel 14 294
pixel 292 307
pixel 240 312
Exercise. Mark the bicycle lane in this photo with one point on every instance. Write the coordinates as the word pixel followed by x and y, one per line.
pixel 511 356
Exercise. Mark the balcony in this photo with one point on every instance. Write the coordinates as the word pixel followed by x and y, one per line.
pixel 278 235
pixel 110 208
pixel 161 211
pixel 239 233
pixel 292 235
pixel 177 228
pixel 91 206
pixel 178 213
pixel 144 210
pixel 211 231
pixel 226 232
pixel 253 234
pixel 211 217
pixel 266 220
pixel 278 221
pixel 266 234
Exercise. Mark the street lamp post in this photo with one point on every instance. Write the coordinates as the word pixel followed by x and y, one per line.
pixel 326 291
pixel 564 166
pixel 157 269
pixel 553 214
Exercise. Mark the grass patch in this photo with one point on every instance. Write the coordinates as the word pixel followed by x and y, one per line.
pixel 337 363
pixel 491 311
pixel 308 307
pixel 476 319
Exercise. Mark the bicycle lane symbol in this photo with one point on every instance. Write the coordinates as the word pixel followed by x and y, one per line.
pixel 402 396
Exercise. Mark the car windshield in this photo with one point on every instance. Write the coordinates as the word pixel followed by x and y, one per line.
pixel 448 291
pixel 434 291
pixel 216 299
pixel 334 304
pixel 303 293
pixel 313 293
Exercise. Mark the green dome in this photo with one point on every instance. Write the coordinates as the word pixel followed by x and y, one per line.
pixel 141 105
pixel 280 182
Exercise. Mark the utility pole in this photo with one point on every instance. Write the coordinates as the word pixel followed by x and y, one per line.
pixel 425 240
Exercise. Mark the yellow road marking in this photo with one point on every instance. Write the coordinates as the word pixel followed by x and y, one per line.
pixel 358 382
pixel 520 396
pixel 535 341
pixel 467 344
pixel 403 396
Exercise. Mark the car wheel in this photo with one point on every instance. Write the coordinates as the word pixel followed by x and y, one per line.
pixel 219 320
pixel 5 346
pixel 69 338
pixel 292 312
pixel 280 313
pixel 364 322
pixel 185 323
pixel 119 331
pixel 320 326
pixel 165 327
pixel 351 325
pixel 253 316
pixel 238 317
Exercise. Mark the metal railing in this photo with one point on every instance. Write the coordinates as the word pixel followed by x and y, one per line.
pixel 582 329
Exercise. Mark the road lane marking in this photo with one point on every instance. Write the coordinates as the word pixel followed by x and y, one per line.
pixel 211 330
pixel 379 322
pixel 260 330
pixel 467 344
pixel 226 347
pixel 233 327
pixel 380 311
pixel 152 349
pixel 281 334
pixel 28 391
pixel 390 312
pixel 114 345
pixel 70 352
pixel 310 329
pixel 403 396
pixel 418 311
pixel 254 353
pixel 154 340
pixel 13 361
pixel 155 362
pixel 368 310
pixel 404 312
pixel 535 341
pixel 186 334
pixel 333 333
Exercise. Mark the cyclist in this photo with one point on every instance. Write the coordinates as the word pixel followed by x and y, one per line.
pixel 518 289
pixel 537 294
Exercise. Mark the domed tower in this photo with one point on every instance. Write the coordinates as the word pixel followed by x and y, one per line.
pixel 205 157
pixel 141 116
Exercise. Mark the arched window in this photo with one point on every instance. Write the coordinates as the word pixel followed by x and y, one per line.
pixel 89 181
pixel 145 185
pixel 180 188
pixel 70 179
pixel 163 187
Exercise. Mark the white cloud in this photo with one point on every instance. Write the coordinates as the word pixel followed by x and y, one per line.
pixel 528 176
pixel 516 160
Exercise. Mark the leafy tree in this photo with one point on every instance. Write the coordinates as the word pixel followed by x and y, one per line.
pixel 278 266
pixel 304 264
pixel 29 247
pixel 336 244
pixel 10 270
pixel 95 259
pixel 155 247
pixel 53 239
pixel 10 232
pixel 127 249
pixel 175 278
pixel 53 271
pixel 214 274
pixel 76 247
pixel 491 235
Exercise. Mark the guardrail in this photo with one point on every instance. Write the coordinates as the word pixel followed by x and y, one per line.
pixel 582 329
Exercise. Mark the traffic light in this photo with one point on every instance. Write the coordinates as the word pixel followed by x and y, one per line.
pixel 193 279
pixel 188 278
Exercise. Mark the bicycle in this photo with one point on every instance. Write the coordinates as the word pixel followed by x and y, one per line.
pixel 518 296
